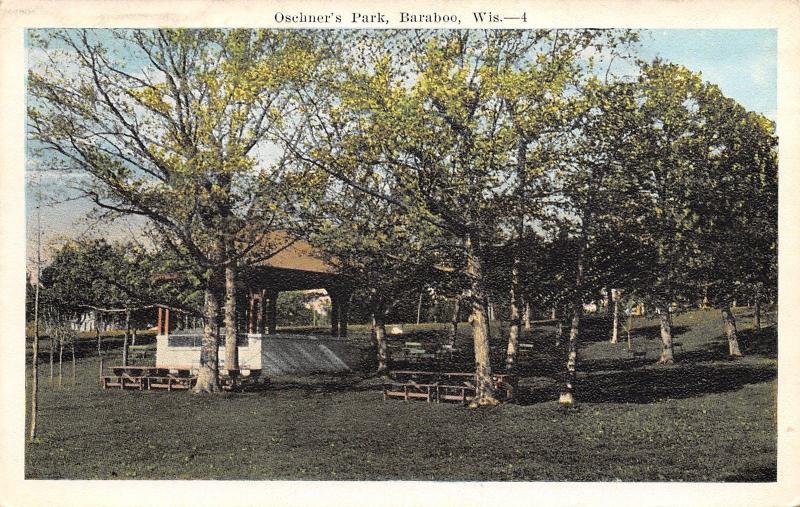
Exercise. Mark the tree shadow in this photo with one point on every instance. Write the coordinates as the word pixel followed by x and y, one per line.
pixel 654 332
pixel 763 342
pixel 647 385
pixel 711 352
pixel 329 383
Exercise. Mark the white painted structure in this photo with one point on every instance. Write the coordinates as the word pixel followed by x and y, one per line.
pixel 276 354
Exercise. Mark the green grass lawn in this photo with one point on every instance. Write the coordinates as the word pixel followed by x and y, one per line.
pixel 706 418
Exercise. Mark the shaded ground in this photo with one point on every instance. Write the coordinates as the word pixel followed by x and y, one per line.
pixel 705 418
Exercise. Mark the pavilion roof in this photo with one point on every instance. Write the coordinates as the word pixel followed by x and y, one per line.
pixel 293 253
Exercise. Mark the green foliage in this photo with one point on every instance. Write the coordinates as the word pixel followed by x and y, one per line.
pixel 395 150
pixel 94 275
pixel 174 138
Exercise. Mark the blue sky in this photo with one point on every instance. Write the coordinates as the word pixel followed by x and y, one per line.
pixel 742 62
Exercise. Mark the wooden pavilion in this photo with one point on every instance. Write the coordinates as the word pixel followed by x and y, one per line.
pixel 296 265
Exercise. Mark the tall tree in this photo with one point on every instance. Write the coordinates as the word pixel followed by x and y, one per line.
pixel 424 111
pixel 736 195
pixel 667 149
pixel 166 124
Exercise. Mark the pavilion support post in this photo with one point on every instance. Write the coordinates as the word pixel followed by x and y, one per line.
pixel 261 309
pixel 250 313
pixel 272 321
pixel 160 321
pixel 166 321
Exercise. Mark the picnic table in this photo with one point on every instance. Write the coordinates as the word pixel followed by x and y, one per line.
pixel 442 386
pixel 149 377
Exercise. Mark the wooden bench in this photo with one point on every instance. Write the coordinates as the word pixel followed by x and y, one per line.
pixel 677 345
pixel 126 377
pixel 447 386
pixel 149 377
pixel 409 390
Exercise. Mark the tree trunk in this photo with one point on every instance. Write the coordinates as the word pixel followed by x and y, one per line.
pixel 730 330
pixel 52 353
pixel 615 316
pixel 97 334
pixel 484 387
pixel 757 310
pixel 559 333
pixel 516 322
pixel 628 330
pixel 526 316
pixel 553 313
pixel 35 351
pixel 127 337
pixel 133 336
pixel 379 328
pixel 419 308
pixel 72 347
pixel 667 353
pixel 60 359
pixel 451 339
pixel 208 372
pixel 231 349
pixel 568 394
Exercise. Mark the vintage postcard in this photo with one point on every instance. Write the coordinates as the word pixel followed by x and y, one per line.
pixel 331 253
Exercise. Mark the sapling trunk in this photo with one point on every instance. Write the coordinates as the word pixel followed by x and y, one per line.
pixel 35 358
pixel 52 352
pixel 60 358
pixel 127 337
pixel 72 347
